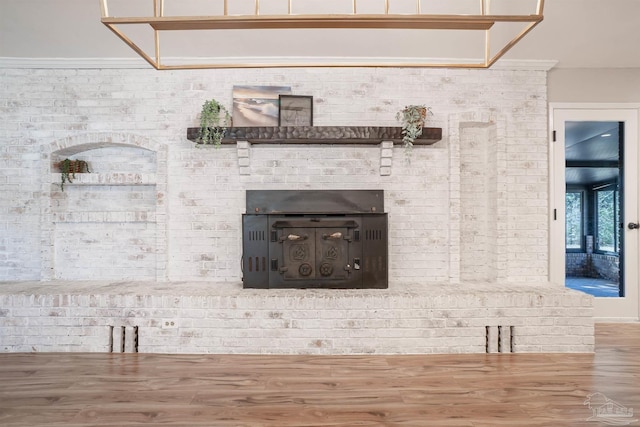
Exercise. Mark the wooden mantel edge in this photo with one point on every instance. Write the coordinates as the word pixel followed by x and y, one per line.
pixel 430 136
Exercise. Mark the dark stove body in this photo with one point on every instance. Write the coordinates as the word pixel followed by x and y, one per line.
pixel 315 239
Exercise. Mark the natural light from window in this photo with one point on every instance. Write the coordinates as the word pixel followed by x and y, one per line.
pixel 573 220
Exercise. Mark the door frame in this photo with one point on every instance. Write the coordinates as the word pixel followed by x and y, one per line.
pixel 606 309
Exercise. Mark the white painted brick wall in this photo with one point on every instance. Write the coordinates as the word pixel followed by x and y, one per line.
pixel 200 191
pixel 174 214
pixel 77 316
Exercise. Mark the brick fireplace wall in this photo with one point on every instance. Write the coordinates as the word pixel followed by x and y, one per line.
pixel 473 205
pixel 150 241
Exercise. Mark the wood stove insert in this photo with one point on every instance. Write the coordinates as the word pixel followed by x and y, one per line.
pixel 315 239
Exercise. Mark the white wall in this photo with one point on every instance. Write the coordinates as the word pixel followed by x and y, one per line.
pixel 194 232
pixel 594 85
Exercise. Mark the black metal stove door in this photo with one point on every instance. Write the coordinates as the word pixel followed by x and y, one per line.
pixel 298 251
pixel 332 253
pixel 315 252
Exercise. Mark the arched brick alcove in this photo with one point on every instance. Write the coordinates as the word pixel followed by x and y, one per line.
pixel 110 223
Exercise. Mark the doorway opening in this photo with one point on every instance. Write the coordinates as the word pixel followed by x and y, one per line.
pixel 595 176
pixel 594 200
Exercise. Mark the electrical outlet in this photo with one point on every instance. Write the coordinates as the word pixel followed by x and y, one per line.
pixel 169 324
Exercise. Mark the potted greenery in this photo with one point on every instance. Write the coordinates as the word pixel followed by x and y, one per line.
pixel 69 168
pixel 213 119
pixel 412 118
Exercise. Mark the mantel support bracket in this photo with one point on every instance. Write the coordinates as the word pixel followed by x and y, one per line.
pixel 386 157
pixel 243 149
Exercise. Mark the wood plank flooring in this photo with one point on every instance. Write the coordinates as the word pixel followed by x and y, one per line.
pixel 80 389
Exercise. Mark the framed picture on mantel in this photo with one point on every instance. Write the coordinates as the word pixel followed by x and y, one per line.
pixel 255 106
pixel 295 110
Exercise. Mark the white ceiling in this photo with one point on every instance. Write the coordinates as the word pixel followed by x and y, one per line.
pixel 576 33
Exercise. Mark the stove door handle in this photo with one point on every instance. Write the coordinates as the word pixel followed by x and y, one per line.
pixel 336 235
pixel 295 237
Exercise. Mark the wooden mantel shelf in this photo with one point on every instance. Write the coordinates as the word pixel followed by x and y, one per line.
pixel 365 135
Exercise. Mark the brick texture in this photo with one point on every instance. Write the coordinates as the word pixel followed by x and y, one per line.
pixel 158 209
pixel 185 207
pixel 187 318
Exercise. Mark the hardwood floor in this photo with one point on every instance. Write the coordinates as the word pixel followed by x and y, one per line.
pixel 71 389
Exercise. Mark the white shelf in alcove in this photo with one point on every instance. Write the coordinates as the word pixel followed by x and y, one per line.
pixel 104 217
pixel 112 178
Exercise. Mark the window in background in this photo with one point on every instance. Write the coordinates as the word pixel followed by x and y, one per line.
pixel 607 219
pixel 574 224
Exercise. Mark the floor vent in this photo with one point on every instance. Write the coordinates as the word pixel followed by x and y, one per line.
pixel 499 339
pixel 123 339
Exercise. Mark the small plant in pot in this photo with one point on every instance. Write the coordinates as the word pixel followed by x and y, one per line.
pixel 213 121
pixel 412 118
pixel 69 168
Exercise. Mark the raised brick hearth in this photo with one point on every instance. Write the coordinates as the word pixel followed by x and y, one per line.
pixel 191 317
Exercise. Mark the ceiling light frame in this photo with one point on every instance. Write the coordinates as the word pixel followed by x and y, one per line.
pixel 483 21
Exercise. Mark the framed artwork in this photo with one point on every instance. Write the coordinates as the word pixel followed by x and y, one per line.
pixel 296 110
pixel 256 105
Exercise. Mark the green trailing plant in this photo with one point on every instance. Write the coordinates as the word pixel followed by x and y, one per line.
pixel 69 168
pixel 412 118
pixel 213 119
